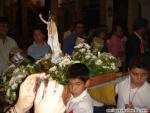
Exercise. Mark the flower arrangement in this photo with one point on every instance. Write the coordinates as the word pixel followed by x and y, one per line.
pixel 98 64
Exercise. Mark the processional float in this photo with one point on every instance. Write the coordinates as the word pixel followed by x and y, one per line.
pixel 94 83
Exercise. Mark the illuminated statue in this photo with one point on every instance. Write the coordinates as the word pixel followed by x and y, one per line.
pixel 52 36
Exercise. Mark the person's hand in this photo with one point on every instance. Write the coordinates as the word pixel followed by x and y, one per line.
pixel 49 100
pixel 129 106
pixel 27 93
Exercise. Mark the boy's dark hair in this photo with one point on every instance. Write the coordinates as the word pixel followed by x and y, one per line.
pixel 78 22
pixel 39 27
pixel 3 20
pixel 141 61
pixel 79 71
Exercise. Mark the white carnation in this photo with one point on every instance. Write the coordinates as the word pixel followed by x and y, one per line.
pixel 82 50
pixel 53 69
pixel 8 92
pixel 16 70
pixel 105 67
pixel 87 57
pixel 14 86
pixel 113 66
pixel 74 62
pixel 38 61
pixel 86 46
pixel 47 56
pixel 12 80
pixel 79 46
pixel 98 62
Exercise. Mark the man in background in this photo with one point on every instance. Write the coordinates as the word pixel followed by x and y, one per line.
pixel 7 45
pixel 135 44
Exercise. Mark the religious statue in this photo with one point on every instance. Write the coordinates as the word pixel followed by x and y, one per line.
pixel 52 35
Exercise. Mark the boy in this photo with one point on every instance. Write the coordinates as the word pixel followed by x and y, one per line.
pixel 39 47
pixel 80 101
pixel 134 92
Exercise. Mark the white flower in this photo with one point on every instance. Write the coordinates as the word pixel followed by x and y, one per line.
pixel 29 66
pixel 64 61
pixel 12 80
pixel 98 62
pixel 12 66
pixel 79 46
pixel 47 56
pixel 82 50
pixel 56 72
pixel 82 45
pixel 87 56
pixel 38 61
pixel 86 46
pixel 113 66
pixel 88 51
pixel 53 68
pixel 14 86
pixel 19 76
pixel 105 67
pixel 94 57
pixel 74 62
pixel 16 70
pixel 23 71
pixel 8 92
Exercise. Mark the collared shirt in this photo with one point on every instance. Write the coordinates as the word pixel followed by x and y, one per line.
pixel 81 104
pixel 6 47
pixel 140 97
pixel 37 52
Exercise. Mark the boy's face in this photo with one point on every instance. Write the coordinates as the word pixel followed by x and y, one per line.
pixel 119 31
pixel 79 28
pixel 38 36
pixel 76 86
pixel 138 76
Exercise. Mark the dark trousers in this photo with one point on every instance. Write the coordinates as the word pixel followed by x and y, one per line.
pixel 99 109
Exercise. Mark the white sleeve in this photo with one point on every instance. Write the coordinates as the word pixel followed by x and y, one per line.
pixel 117 88
pixel 13 43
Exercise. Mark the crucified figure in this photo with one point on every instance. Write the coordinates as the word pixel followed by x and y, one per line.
pixel 52 35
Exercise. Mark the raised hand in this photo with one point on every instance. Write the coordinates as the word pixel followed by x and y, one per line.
pixel 49 99
pixel 27 93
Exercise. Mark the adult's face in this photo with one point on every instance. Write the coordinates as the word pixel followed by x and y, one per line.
pixel 3 30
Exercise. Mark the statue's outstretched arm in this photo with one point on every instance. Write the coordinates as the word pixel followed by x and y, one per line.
pixel 44 21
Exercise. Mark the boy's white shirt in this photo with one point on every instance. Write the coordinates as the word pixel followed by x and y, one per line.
pixel 140 100
pixel 82 104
